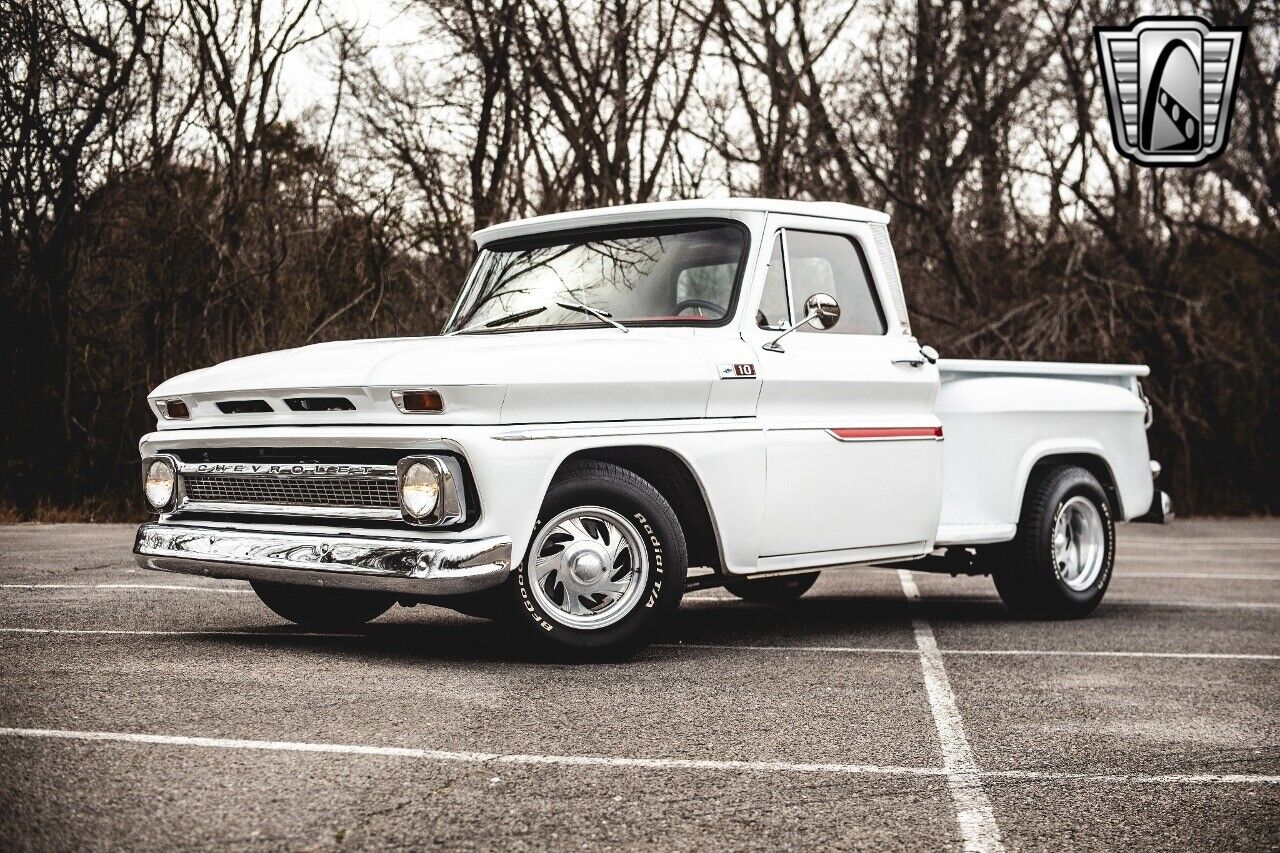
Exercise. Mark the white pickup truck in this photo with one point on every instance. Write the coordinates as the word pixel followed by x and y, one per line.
pixel 629 403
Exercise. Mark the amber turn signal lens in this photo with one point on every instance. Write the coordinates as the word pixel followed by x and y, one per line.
pixel 418 401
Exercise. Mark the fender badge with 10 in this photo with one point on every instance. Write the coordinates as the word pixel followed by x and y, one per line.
pixel 737 371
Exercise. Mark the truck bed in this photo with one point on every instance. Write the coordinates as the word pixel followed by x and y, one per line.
pixel 1002 418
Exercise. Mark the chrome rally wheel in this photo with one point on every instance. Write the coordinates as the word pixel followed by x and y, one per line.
pixel 606 564
pixel 589 567
pixel 1059 564
pixel 1079 543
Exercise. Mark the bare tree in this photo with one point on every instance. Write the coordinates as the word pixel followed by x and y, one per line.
pixel 66 68
pixel 1252 162
pixel 242 46
pixel 613 81
pixel 166 203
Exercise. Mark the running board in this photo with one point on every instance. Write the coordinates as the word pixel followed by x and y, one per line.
pixel 954 561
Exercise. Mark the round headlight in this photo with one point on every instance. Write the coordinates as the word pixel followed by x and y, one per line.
pixel 420 489
pixel 158 483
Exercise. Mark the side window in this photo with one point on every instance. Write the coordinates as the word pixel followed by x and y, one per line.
pixel 773 301
pixel 833 264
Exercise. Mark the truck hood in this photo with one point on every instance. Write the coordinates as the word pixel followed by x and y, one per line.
pixel 526 377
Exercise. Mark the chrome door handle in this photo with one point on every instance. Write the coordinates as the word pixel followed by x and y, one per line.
pixel 927 353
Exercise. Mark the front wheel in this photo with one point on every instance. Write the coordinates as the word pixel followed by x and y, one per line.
pixel 607 563
pixel 323 608
pixel 1060 563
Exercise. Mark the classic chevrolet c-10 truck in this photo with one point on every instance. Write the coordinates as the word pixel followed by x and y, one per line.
pixel 633 402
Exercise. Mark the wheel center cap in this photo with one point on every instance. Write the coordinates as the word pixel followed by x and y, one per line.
pixel 585 564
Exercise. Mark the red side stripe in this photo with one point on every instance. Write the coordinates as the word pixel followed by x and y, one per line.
pixel 852 433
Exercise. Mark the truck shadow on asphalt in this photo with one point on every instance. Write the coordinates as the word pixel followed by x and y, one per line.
pixel 428 633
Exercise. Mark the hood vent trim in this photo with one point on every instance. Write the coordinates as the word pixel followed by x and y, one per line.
pixel 244 407
pixel 320 404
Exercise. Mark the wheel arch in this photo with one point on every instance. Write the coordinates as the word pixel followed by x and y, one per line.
pixel 1092 459
pixel 674 478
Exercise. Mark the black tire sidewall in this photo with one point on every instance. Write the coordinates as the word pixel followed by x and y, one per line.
pixel 1086 487
pixel 660 535
pixel 1029 581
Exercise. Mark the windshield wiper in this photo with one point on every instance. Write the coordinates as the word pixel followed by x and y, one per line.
pixel 515 316
pixel 604 316
pixel 506 319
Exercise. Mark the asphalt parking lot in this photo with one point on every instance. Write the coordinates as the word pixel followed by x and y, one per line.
pixel 881 711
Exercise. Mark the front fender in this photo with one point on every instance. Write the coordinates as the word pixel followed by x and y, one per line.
pixel 727 461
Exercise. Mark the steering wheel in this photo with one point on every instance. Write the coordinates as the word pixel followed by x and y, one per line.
pixel 705 308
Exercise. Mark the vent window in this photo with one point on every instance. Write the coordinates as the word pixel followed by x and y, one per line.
pixel 890 264
pixel 244 407
pixel 320 404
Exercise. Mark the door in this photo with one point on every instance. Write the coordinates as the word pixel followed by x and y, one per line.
pixel 853 447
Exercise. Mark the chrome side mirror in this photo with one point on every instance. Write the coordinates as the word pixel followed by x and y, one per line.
pixel 821 312
pixel 824 310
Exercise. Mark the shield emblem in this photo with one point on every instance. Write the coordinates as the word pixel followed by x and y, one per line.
pixel 1170 83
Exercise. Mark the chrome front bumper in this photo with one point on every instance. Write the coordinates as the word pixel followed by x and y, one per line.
pixel 383 563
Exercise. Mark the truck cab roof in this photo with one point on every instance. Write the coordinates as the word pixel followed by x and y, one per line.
pixel 628 213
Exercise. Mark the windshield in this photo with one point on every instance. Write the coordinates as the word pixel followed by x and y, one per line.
pixel 666 275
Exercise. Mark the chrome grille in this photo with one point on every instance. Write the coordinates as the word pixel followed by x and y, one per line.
pixel 366 492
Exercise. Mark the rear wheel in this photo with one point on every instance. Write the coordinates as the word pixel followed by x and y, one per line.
pixel 323 608
pixel 607 563
pixel 779 590
pixel 1059 565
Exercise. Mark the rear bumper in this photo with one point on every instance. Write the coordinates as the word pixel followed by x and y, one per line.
pixel 1161 511
pixel 381 563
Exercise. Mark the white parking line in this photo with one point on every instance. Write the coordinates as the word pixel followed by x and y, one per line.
pixel 1114 599
pixel 697 598
pixel 131 586
pixel 862 650
pixel 1179 542
pixel 1113 654
pixel 1215 576
pixel 146 633
pixel 1207 542
pixel 1131 778
pixel 710 595
pixel 630 762
pixel 996 652
pixel 478 757
pixel 739 647
pixel 1196 605
pixel 978 830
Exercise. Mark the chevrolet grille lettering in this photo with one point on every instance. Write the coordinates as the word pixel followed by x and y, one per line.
pixel 276 470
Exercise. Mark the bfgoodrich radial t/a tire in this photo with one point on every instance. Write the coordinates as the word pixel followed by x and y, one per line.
pixel 606 564
pixel 1059 565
